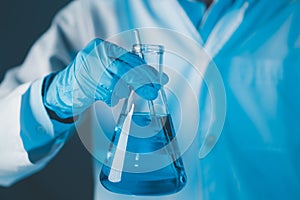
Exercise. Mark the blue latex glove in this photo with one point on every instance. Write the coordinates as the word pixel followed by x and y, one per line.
pixel 101 71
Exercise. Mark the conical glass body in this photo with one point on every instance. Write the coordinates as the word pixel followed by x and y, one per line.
pixel 143 157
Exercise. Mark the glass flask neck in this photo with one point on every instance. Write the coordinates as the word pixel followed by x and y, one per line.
pixel 153 56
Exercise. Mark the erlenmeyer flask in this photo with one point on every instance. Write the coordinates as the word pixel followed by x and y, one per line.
pixel 143 157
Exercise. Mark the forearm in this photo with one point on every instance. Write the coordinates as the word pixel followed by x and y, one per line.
pixel 28 137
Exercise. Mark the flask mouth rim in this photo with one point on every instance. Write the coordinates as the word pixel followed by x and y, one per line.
pixel 148 48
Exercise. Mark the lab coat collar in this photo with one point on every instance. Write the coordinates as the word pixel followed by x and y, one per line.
pixel 222 27
pixel 226 25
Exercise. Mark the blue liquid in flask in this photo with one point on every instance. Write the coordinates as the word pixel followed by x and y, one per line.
pixel 164 180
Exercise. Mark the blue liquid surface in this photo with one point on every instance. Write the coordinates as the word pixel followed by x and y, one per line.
pixel 167 180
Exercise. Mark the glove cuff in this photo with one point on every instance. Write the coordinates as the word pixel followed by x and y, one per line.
pixel 46 84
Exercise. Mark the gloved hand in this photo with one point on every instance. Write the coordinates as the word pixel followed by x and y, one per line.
pixel 100 71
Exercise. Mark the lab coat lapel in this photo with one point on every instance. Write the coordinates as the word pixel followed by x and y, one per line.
pixel 225 28
pixel 163 14
pixel 175 18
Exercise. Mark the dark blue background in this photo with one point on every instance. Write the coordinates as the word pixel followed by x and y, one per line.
pixel 69 175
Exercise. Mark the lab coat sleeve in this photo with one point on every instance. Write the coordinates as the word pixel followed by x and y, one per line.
pixel 26 128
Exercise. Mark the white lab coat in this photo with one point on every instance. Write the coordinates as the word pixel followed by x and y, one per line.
pixel 256 48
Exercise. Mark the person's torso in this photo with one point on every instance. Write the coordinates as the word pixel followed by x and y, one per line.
pixel 254 46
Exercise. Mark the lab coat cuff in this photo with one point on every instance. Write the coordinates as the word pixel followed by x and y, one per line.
pixel 51 126
pixel 41 136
